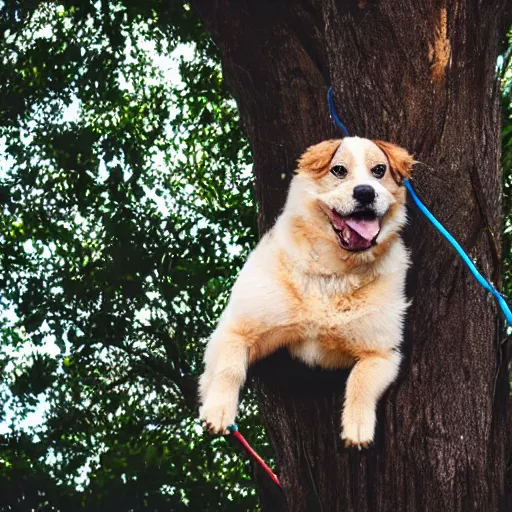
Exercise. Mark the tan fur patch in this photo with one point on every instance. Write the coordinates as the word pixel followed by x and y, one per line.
pixel 292 292
pixel 380 249
pixel 269 341
pixel 341 351
pixel 400 161
pixel 305 234
pixel 317 158
pixel 324 246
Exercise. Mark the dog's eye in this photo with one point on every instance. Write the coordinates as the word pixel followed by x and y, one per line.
pixel 339 171
pixel 379 170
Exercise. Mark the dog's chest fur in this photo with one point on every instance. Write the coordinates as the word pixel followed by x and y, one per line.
pixel 338 319
pixel 329 320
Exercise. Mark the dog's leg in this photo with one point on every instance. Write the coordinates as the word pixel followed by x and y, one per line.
pixel 367 381
pixel 226 361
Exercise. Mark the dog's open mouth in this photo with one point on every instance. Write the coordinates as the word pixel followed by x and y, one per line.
pixel 356 232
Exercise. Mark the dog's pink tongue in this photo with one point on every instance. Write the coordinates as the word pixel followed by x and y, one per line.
pixel 365 228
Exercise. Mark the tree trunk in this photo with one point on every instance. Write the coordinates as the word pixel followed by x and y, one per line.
pixel 420 74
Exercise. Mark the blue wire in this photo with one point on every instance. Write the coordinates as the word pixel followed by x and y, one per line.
pixel 334 115
pixel 488 286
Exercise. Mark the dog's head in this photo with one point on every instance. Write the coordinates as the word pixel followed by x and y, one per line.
pixel 354 188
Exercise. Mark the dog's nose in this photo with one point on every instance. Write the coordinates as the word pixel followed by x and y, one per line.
pixel 365 194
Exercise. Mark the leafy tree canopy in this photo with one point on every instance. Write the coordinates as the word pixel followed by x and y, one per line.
pixel 127 209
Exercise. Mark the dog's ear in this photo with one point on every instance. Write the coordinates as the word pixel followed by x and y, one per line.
pixel 317 158
pixel 400 161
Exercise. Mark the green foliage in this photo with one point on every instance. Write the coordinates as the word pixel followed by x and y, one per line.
pixel 126 212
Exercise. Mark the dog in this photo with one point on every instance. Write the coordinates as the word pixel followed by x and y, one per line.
pixel 327 282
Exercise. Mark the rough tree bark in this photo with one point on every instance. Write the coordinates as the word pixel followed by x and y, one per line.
pixel 420 73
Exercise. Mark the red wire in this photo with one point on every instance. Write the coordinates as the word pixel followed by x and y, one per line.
pixel 255 456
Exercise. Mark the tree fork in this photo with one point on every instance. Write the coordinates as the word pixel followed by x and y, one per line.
pixel 420 74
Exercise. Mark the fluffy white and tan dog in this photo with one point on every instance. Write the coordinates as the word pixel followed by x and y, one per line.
pixel 327 282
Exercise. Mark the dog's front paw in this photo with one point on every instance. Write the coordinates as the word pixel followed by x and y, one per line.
pixel 217 418
pixel 358 425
